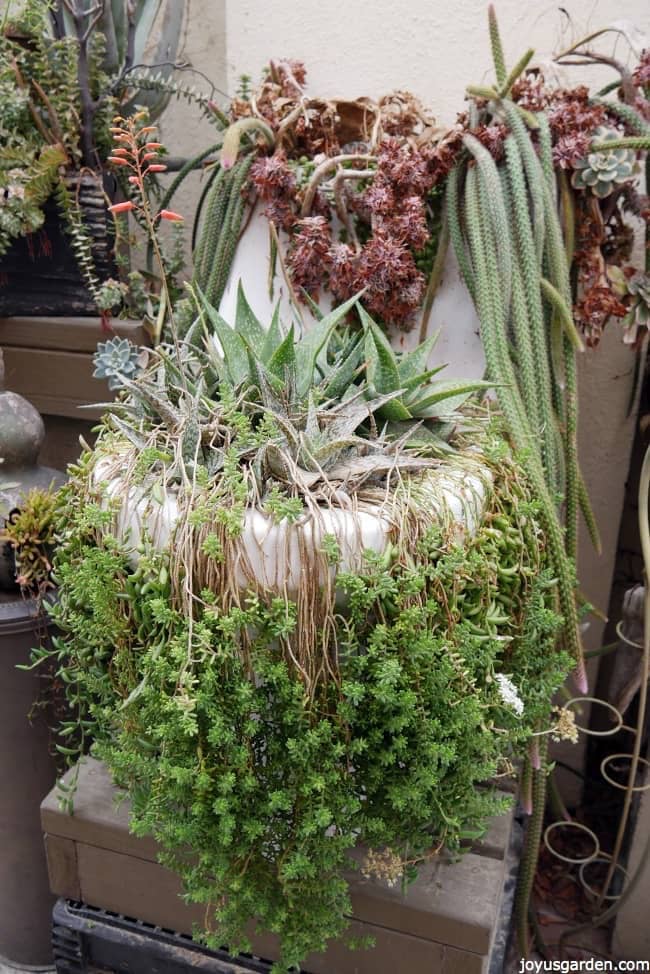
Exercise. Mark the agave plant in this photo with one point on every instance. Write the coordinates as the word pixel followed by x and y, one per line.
pixel 127 27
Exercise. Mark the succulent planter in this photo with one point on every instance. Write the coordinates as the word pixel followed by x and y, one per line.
pixel 453 313
pixel 274 556
pixel 295 576
pixel 40 275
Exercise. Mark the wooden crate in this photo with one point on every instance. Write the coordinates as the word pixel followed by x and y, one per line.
pixel 445 923
pixel 49 361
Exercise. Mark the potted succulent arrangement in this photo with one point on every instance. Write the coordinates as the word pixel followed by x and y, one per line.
pixel 350 190
pixel 66 68
pixel 312 597
pixel 345 195
pixel 307 603
pixel 532 188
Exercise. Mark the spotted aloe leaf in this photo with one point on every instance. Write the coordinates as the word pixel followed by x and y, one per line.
pixel 273 336
pixel 313 341
pixel 414 363
pixel 270 386
pixel 247 324
pixel 353 414
pixel 235 355
pixel 447 396
pixel 283 359
pixel 418 437
pixel 340 376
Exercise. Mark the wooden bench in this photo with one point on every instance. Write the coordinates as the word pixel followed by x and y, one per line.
pixel 444 924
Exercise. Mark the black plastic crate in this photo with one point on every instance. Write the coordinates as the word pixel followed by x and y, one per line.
pixel 87 940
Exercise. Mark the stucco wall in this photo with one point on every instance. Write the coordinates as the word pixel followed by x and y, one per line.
pixel 352 47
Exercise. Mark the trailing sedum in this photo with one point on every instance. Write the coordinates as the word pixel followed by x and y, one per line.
pixel 372 688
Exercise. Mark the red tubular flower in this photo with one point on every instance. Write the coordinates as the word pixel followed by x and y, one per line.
pixel 118 161
pixel 122 207
pixel 171 216
pixel 156 167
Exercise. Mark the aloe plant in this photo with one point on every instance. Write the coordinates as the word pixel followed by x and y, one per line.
pixel 415 398
pixel 334 403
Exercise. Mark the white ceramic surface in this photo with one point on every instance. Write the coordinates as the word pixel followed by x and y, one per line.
pixel 459 345
pixel 275 552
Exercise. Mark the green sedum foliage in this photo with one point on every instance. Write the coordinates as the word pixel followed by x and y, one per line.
pixel 257 790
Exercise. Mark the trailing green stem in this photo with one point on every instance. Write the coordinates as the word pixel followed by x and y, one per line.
pixel 531 851
pixel 497 47
pixel 535 318
pixel 638 143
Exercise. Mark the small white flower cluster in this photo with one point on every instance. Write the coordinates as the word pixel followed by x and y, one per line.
pixel 509 693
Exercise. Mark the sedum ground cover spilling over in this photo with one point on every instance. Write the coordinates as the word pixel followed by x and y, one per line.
pixel 263 733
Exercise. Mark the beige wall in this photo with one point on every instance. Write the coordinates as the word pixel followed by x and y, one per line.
pixel 184 130
pixel 352 47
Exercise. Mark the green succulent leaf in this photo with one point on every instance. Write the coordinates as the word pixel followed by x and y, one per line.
pixel 247 324
pixel 273 336
pixel 340 377
pixel 234 350
pixel 415 362
pixel 283 360
pixel 454 391
pixel 311 343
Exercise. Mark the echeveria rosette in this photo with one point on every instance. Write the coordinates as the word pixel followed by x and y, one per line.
pixel 636 286
pixel 115 360
pixel 601 172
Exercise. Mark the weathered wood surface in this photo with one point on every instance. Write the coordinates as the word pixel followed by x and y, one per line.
pixel 48 360
pixel 444 923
